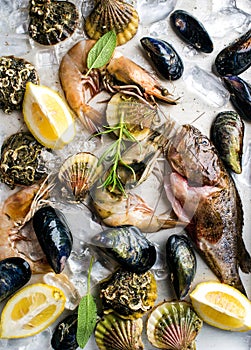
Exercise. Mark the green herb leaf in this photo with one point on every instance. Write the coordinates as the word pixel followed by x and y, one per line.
pixel 102 51
pixel 87 315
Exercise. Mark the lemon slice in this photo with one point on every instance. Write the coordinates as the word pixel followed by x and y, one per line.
pixel 31 310
pixel 47 116
pixel 222 306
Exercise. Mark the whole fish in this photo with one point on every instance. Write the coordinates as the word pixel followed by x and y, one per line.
pixel 203 194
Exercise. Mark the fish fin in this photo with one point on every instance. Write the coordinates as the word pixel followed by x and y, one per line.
pixel 244 258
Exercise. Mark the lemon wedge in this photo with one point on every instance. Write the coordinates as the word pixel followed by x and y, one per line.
pixel 47 116
pixel 222 306
pixel 31 310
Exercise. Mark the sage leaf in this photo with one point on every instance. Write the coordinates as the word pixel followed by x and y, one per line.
pixel 87 315
pixel 102 51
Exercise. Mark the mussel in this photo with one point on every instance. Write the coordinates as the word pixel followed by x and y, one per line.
pixel 240 95
pixel 15 272
pixel 191 31
pixel 117 15
pixel 182 264
pixel 235 58
pixel 128 246
pixel 113 333
pixel 173 325
pixel 64 335
pixel 227 133
pixel 54 236
pixel 164 57
pixel 128 294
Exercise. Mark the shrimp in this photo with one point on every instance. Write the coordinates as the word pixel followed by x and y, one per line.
pixel 76 85
pixel 17 237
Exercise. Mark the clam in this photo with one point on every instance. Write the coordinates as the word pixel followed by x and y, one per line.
pixel 128 246
pixel 128 294
pixel 113 333
pixel 79 172
pixel 227 133
pixel 64 335
pixel 116 15
pixel 182 263
pixel 173 326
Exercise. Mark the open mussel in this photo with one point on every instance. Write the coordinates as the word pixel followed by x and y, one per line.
pixel 128 246
pixel 173 326
pixel 191 31
pixel 116 15
pixel 182 264
pixel 235 58
pixel 79 172
pixel 64 335
pixel 240 95
pixel 15 272
pixel 113 333
pixel 128 294
pixel 227 133
pixel 54 236
pixel 164 57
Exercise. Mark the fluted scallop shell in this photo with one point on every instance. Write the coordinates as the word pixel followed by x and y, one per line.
pixel 79 172
pixel 128 246
pixel 113 333
pixel 173 326
pixel 227 133
pixel 112 15
pixel 52 21
pixel 128 294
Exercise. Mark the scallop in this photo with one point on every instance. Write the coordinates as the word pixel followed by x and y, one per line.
pixel 128 294
pixel 227 132
pixel 79 172
pixel 113 333
pixel 173 325
pixel 128 246
pixel 116 15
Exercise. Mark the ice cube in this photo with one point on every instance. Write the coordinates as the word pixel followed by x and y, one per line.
pixel 151 11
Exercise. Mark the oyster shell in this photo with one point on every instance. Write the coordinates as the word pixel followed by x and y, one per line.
pixel 79 172
pixel 227 133
pixel 128 294
pixel 113 333
pixel 173 326
pixel 115 15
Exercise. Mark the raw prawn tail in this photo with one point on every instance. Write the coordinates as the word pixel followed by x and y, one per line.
pixel 91 119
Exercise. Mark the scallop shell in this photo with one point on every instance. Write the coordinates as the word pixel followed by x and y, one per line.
pixel 173 326
pixel 79 172
pixel 112 14
pixel 113 333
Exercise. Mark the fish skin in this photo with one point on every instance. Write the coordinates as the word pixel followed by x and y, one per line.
pixel 216 224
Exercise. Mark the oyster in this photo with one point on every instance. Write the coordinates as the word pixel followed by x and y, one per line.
pixel 15 73
pixel 64 335
pixel 52 21
pixel 79 172
pixel 191 31
pixel 21 163
pixel 113 333
pixel 115 15
pixel 128 294
pixel 173 326
pixel 235 58
pixel 128 246
pixel 15 272
pixel 164 57
pixel 227 133
pixel 182 263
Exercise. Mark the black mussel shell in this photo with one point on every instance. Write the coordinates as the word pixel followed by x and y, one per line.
pixel 182 263
pixel 235 58
pixel 164 58
pixel 128 246
pixel 15 272
pixel 191 31
pixel 240 95
pixel 227 132
pixel 54 236
pixel 64 335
